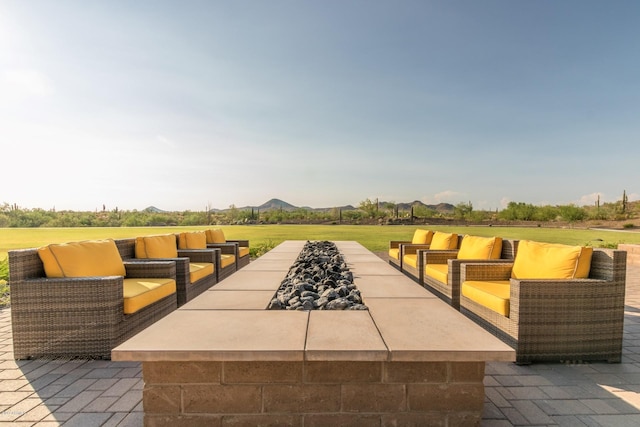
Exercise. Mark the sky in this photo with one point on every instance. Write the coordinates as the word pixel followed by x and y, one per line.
pixel 185 105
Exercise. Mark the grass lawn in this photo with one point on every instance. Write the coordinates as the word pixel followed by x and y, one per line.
pixel 375 238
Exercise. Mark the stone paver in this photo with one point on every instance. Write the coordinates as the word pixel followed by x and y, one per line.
pixel 105 393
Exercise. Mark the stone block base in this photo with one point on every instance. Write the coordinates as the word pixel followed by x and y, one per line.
pixel 339 393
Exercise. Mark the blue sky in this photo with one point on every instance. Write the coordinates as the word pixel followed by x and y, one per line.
pixel 189 104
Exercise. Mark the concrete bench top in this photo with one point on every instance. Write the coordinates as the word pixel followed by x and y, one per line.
pixel 229 322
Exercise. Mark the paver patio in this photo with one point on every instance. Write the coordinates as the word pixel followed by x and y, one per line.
pixel 104 393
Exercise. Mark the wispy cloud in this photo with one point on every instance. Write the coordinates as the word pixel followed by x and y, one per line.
pixel 590 199
pixel 447 196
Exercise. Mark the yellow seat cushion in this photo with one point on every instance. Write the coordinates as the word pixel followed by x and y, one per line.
pixel 536 260
pixel 475 247
pixel 215 235
pixel 443 241
pixel 243 251
pixel 139 293
pixel 198 270
pixel 192 240
pixel 422 237
pixel 161 246
pixel 394 253
pixel 494 295
pixel 411 260
pixel 440 272
pixel 227 260
pixel 82 259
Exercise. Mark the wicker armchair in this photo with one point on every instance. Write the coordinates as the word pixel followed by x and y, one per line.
pixel 420 237
pixel 238 248
pixel 228 251
pixel 557 320
pixel 186 290
pixel 450 291
pixel 415 268
pixel 76 317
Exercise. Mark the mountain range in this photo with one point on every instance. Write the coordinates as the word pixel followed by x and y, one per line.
pixel 275 204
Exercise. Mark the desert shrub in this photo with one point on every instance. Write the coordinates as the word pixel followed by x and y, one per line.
pixel 629 225
pixel 4 286
pixel 259 249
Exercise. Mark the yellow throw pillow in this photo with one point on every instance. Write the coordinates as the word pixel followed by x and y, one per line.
pixel 82 259
pixel 442 241
pixel 474 247
pixel 192 240
pixel 535 260
pixel 215 235
pixel 584 263
pixel 161 246
pixel 422 237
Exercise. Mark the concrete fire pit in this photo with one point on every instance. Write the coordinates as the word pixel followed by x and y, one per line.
pixel 224 359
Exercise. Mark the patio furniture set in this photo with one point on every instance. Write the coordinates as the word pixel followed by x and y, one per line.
pixel 550 302
pixel 82 299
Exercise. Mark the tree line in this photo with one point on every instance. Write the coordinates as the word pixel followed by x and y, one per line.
pixel 367 212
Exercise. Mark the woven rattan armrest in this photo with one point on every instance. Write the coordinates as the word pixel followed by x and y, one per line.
pixel 492 270
pixel 240 242
pixel 225 248
pixel 65 291
pixel 558 298
pixel 395 244
pixel 150 269
pixel 438 256
pixel 412 249
pixel 199 255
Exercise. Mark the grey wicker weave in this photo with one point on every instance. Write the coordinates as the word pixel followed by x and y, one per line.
pixel 450 292
pixel 557 320
pixel 185 289
pixel 226 249
pixel 76 317
pixel 241 261
pixel 396 244
pixel 417 273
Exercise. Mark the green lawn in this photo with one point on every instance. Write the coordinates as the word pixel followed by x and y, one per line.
pixel 374 238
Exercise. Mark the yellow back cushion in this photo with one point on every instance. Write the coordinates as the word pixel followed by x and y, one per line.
pixel 192 240
pixel 82 259
pixel 475 247
pixel 535 260
pixel 442 241
pixel 422 237
pixel 161 246
pixel 215 235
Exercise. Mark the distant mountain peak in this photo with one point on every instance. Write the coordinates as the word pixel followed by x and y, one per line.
pixel 153 209
pixel 276 204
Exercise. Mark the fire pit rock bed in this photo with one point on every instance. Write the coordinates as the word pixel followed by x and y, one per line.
pixel 319 279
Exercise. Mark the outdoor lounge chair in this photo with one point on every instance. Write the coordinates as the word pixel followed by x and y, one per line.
pixel 420 237
pixel 81 300
pixel 442 268
pixel 412 254
pixel 195 268
pixel 238 248
pixel 225 254
pixel 552 303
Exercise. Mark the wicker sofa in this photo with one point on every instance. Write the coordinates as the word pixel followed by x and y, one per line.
pixel 441 273
pixel 575 319
pixel 81 317
pixel 187 289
